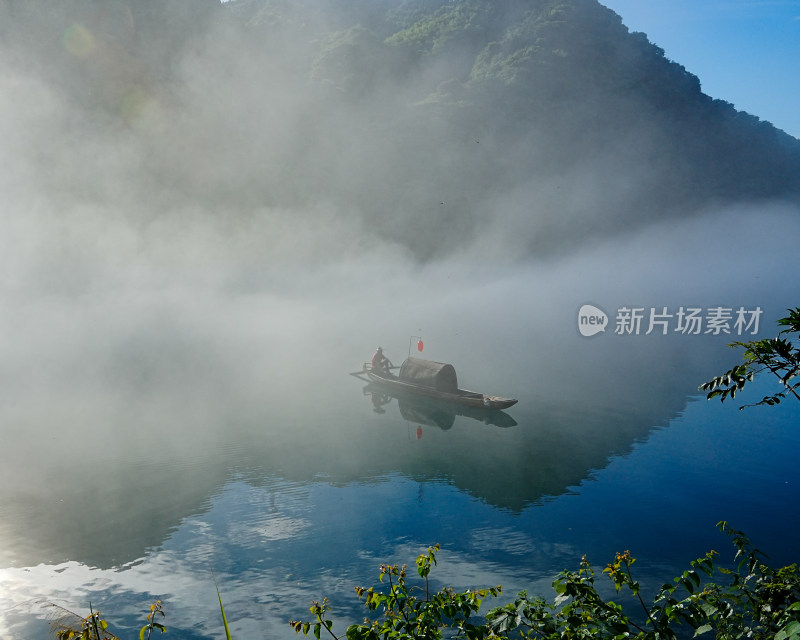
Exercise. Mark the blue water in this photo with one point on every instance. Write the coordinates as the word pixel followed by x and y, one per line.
pixel 148 441
pixel 277 538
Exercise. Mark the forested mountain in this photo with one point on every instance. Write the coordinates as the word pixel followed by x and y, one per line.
pixel 532 125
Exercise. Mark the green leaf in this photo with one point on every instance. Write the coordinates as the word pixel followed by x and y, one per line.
pixel 791 630
pixel 561 599
pixel 356 632
pixel 221 608
pixel 224 619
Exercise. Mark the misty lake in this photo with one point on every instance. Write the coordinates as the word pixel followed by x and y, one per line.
pixel 154 433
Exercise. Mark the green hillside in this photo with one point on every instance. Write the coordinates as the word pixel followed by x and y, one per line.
pixel 424 122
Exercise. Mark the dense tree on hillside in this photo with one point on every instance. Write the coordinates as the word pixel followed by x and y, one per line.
pixel 544 115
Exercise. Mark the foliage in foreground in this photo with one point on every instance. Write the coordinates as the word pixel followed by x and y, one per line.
pixel 71 626
pixel 752 601
pixel 776 355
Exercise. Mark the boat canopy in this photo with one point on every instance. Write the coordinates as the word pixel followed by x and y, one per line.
pixel 436 375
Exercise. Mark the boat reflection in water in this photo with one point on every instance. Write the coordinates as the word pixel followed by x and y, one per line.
pixel 432 412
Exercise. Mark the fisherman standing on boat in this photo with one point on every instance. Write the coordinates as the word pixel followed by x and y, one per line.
pixel 380 362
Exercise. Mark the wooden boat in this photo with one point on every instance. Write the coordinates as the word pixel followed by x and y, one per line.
pixel 434 380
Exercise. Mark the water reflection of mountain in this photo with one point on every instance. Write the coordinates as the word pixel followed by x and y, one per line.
pixel 111 518
pixel 107 488
pixel 432 412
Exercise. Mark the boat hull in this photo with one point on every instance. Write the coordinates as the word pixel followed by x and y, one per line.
pixel 461 396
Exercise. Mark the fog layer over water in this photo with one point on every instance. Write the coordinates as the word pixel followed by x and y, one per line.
pixel 136 390
pixel 147 363
pixel 181 417
pixel 179 309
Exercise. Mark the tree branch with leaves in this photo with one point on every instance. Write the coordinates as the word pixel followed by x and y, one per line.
pixel 777 356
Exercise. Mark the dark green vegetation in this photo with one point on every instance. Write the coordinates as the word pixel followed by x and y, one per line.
pixel 71 626
pixel 429 123
pixel 753 601
pixel 776 355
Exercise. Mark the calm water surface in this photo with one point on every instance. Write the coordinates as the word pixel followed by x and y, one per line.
pixel 199 442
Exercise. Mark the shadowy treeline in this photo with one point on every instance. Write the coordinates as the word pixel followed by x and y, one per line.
pixel 426 121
